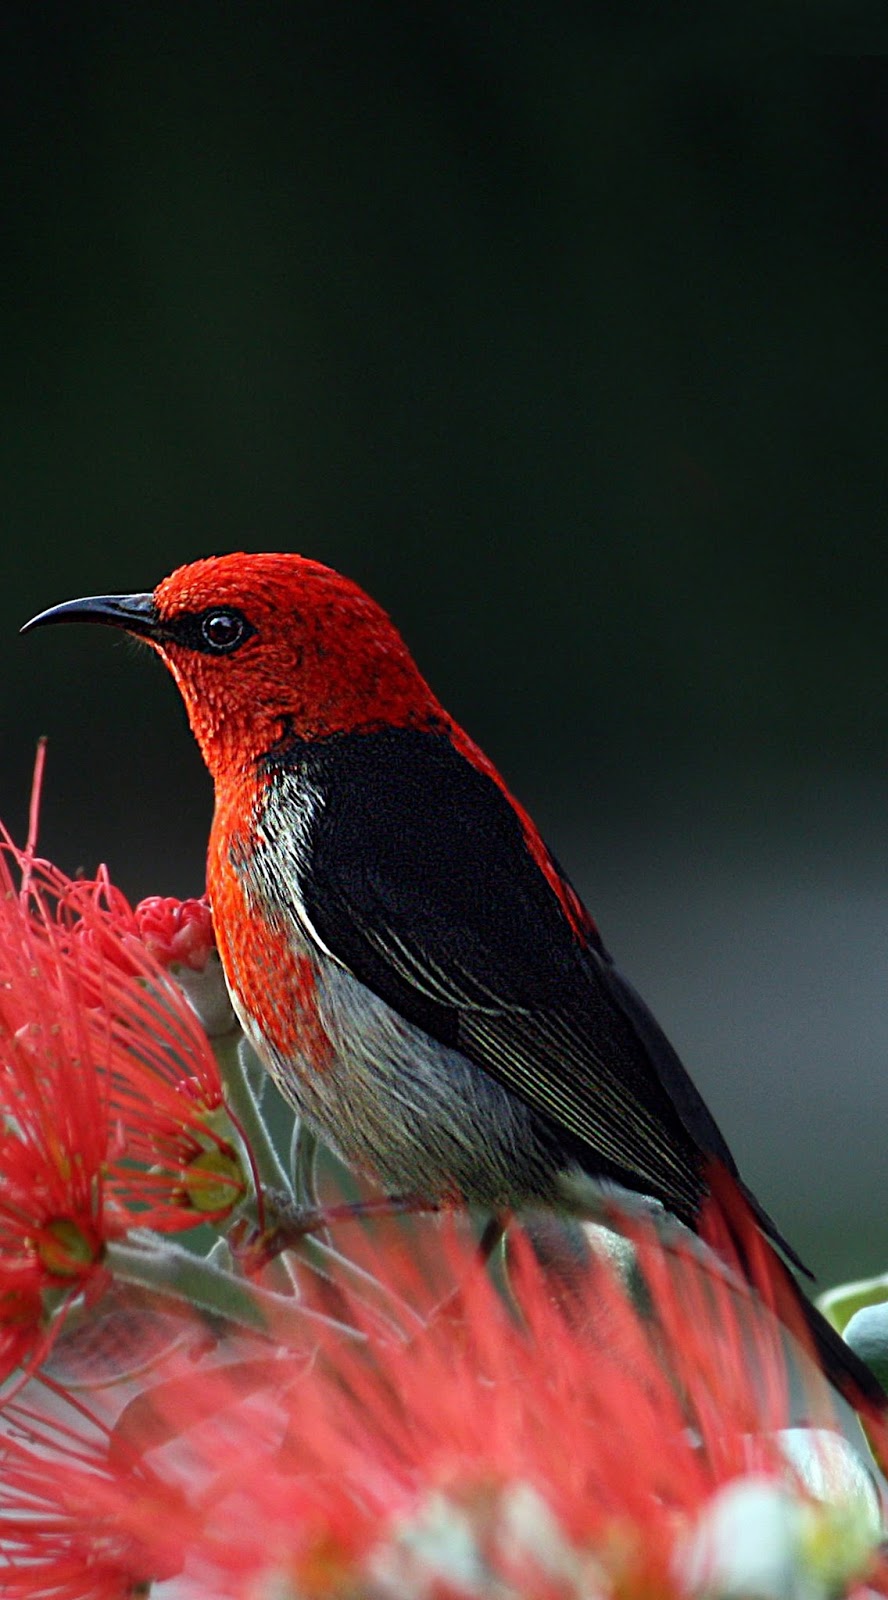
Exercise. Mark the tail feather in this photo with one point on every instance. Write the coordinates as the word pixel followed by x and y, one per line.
pixel 769 1227
pixel 739 1216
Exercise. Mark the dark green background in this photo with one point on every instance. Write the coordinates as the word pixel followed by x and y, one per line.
pixel 563 329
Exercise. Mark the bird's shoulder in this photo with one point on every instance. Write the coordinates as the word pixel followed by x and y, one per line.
pixel 398 829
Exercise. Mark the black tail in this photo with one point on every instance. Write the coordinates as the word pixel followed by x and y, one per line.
pixel 750 1233
pixel 851 1376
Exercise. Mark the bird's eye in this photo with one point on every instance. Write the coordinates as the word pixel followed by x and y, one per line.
pixel 223 630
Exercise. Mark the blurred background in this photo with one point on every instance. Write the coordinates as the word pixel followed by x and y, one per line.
pixel 564 330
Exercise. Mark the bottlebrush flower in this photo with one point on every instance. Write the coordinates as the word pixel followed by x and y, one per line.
pixel 488 1457
pixel 58 1476
pixel 111 1111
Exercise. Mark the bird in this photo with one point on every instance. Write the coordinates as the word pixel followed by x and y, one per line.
pixel 409 959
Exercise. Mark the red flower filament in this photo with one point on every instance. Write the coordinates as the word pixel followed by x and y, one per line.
pixel 111 1110
pixel 565 1457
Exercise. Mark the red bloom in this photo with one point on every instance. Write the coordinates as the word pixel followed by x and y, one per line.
pixel 110 1096
pixel 483 1456
pixel 58 1477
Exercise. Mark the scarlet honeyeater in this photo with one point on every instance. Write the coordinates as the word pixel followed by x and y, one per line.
pixel 409 959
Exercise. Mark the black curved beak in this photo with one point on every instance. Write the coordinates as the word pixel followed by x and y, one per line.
pixel 137 613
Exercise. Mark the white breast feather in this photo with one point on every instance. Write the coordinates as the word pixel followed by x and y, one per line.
pixel 282 835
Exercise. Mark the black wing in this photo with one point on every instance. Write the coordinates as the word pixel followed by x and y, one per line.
pixel 420 880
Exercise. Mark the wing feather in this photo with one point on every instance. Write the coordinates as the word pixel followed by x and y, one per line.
pixel 418 878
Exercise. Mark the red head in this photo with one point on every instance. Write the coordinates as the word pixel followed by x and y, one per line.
pixel 266 645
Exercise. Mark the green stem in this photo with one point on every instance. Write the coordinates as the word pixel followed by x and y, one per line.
pixel 304 1148
pixel 235 1057
pixel 170 1270
pixel 256 1075
pixel 388 1308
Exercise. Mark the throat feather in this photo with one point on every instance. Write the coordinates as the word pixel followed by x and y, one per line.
pixel 268 954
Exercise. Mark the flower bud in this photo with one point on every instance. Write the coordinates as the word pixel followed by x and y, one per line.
pixel 179 933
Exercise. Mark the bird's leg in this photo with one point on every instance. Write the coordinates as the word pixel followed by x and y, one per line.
pixel 493 1234
pixel 488 1256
